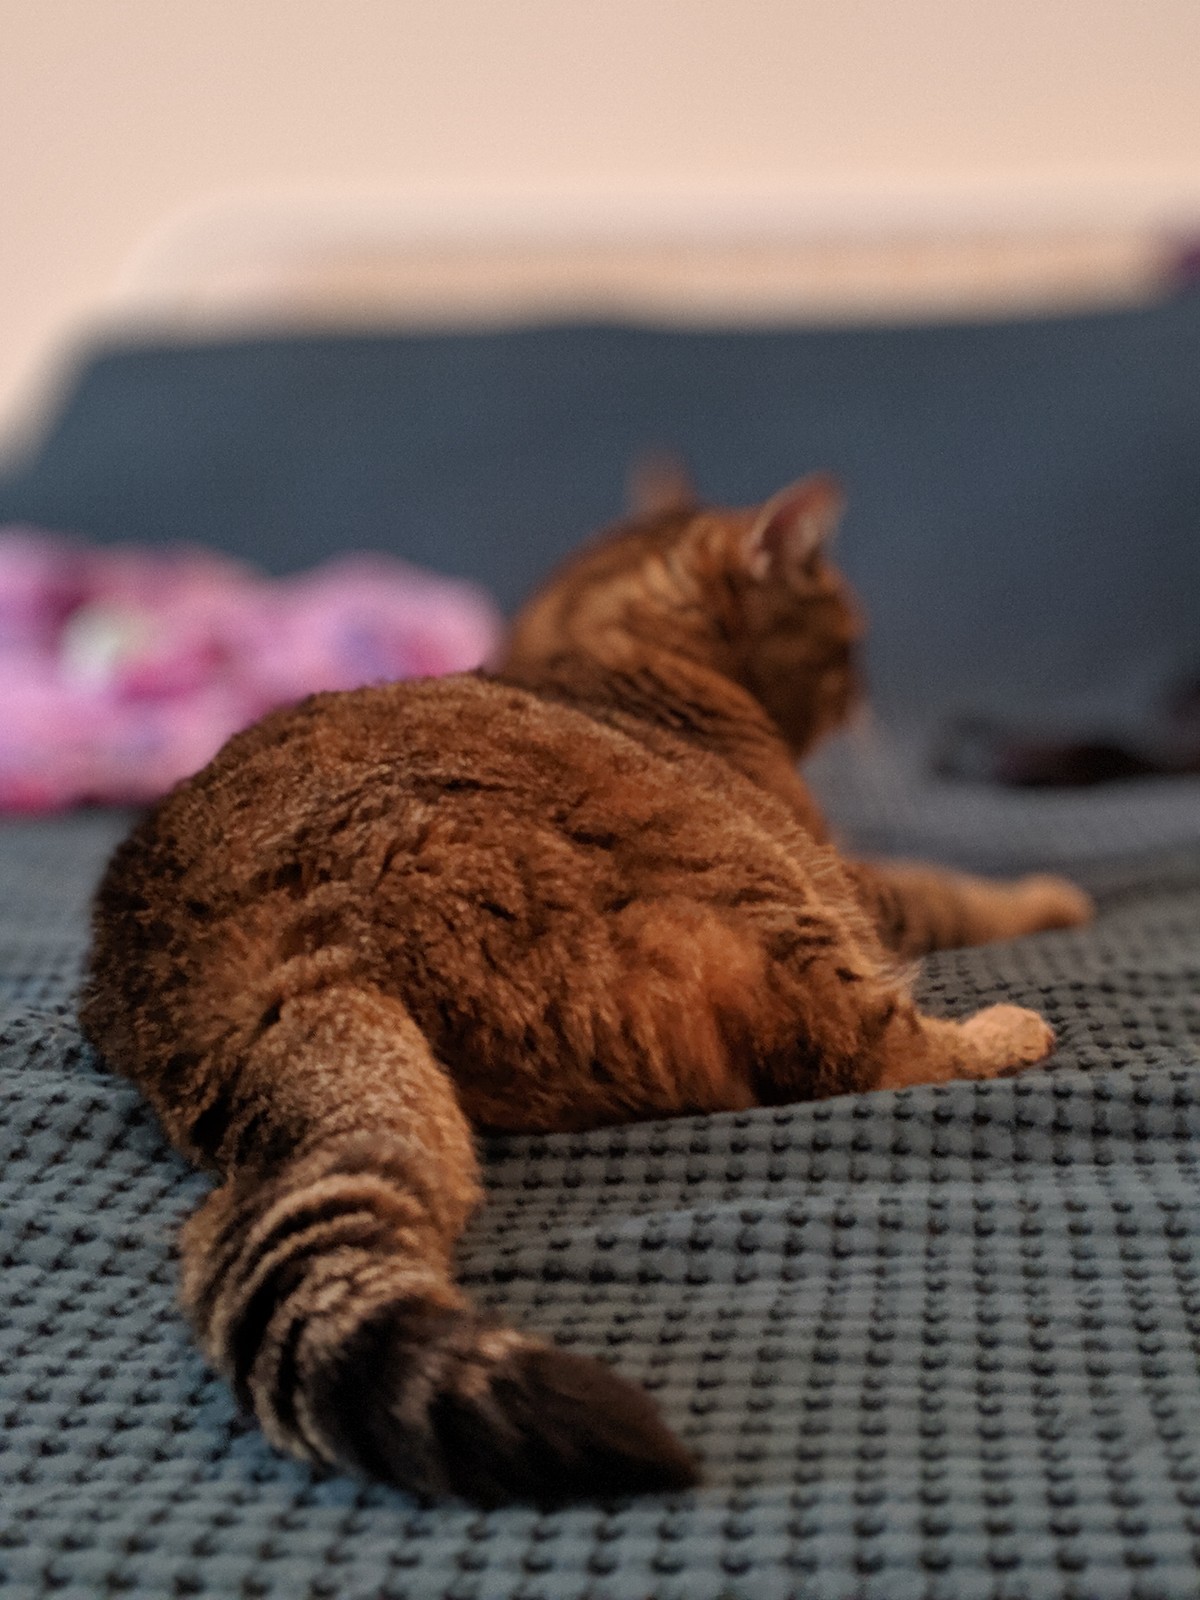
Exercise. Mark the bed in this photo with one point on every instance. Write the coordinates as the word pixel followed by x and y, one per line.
pixel 940 1343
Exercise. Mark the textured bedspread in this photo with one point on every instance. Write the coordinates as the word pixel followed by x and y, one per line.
pixel 940 1343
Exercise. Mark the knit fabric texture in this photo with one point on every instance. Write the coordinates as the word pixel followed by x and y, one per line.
pixel 941 1343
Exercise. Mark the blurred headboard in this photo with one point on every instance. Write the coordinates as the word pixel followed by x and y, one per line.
pixel 1024 496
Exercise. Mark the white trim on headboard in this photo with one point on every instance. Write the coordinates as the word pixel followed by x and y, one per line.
pixel 237 254
pixel 880 248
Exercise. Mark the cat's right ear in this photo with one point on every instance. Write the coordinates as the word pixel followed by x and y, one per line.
pixel 792 527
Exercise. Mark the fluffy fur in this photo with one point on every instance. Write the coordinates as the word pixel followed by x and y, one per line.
pixel 588 889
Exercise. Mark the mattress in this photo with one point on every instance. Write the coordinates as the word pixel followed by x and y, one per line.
pixel 940 1343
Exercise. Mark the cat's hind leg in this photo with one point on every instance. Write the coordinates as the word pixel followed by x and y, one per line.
pixel 319 1276
pixel 852 1023
pixel 994 1042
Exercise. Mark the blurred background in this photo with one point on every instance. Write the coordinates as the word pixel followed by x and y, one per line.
pixel 285 279
pixel 274 159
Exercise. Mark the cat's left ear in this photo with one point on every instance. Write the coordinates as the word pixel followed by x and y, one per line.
pixel 792 527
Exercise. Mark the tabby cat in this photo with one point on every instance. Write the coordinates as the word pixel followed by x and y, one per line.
pixel 585 889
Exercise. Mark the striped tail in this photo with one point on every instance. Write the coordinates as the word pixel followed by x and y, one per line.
pixel 322 1288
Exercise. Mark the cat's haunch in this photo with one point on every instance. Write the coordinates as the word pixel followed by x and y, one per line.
pixel 586 889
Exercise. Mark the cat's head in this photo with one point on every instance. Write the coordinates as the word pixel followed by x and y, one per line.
pixel 751 592
pixel 794 621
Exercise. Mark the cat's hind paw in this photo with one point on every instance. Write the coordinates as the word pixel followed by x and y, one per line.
pixel 1005 1039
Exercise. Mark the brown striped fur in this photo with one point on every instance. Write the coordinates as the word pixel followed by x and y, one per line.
pixel 588 889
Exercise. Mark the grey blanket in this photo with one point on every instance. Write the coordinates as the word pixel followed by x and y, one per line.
pixel 939 1343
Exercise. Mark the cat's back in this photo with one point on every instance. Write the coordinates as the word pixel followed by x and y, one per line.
pixel 317 789
pixel 319 782
pixel 344 790
pixel 310 791
pixel 450 841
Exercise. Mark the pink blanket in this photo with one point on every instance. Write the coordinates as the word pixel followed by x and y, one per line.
pixel 123 670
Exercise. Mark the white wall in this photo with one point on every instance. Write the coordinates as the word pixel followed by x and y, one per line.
pixel 117 117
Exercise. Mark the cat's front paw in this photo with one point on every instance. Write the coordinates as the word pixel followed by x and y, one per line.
pixel 1048 901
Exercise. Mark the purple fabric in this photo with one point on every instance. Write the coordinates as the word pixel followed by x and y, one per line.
pixel 125 669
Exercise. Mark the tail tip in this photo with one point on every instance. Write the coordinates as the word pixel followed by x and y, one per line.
pixel 597 1434
pixel 495 1417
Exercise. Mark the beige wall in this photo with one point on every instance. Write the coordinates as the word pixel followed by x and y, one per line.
pixel 118 118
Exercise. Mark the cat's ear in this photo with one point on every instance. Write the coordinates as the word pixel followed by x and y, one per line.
pixel 658 482
pixel 792 527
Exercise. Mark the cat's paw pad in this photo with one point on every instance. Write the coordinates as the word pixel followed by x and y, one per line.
pixel 1049 901
pixel 1009 1037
